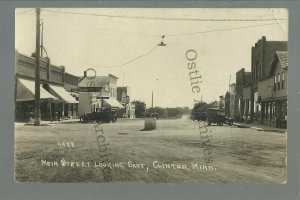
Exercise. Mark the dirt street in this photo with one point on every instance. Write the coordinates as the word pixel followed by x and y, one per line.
pixel 172 153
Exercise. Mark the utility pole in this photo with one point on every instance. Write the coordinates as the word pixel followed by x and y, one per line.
pixel 37 103
pixel 42 39
pixel 152 100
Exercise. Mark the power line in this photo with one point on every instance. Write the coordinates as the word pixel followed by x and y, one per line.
pixel 130 61
pixel 96 28
pixel 159 18
pixel 218 30
pixel 183 34
pixel 273 12
pixel 169 35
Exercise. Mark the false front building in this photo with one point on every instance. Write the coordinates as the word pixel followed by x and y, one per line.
pixel 261 60
pixel 53 96
pixel 273 92
pixel 97 92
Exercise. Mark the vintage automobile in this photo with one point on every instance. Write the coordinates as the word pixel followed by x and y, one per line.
pixel 199 115
pixel 104 115
pixel 216 116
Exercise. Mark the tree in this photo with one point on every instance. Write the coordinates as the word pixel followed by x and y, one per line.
pixel 157 110
pixel 200 107
pixel 140 108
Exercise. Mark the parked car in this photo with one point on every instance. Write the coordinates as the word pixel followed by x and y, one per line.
pixel 200 116
pixel 104 115
pixel 216 116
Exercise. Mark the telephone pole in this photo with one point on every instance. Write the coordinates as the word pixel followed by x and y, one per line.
pixel 42 40
pixel 152 100
pixel 37 103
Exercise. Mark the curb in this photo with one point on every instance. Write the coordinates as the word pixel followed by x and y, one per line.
pixel 259 129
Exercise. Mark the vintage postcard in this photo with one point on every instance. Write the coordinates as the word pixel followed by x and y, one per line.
pixel 151 95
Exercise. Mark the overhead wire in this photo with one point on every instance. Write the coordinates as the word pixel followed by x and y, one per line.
pixel 189 33
pixel 169 35
pixel 218 30
pixel 159 18
pixel 127 62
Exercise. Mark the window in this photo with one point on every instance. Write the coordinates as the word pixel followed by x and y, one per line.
pixel 275 81
pixel 282 80
pixel 278 81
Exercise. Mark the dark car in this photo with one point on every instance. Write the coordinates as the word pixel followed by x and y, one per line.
pixel 200 116
pixel 104 115
pixel 216 116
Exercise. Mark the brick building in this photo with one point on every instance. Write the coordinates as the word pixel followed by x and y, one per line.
pixel 243 79
pixel 54 97
pixel 262 55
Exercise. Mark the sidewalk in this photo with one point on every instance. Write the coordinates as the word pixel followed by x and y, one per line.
pixel 47 123
pixel 63 121
pixel 259 127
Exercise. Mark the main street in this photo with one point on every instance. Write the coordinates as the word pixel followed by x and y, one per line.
pixel 167 154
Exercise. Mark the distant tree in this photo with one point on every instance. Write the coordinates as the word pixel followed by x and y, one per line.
pixel 140 108
pixel 159 110
pixel 200 107
pixel 173 112
pixel 168 112
pixel 186 110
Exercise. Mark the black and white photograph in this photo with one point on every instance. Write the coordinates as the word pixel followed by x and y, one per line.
pixel 151 95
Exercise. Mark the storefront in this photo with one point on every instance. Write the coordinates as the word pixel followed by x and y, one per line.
pixel 69 104
pixel 25 93
pixel 56 102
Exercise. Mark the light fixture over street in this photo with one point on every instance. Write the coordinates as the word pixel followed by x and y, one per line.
pixel 162 42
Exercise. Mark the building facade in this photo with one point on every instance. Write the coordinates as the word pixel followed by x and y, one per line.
pixel 232 92
pixel 99 92
pixel 123 96
pixel 273 92
pixel 262 55
pixel 230 108
pixel 53 96
pixel 243 79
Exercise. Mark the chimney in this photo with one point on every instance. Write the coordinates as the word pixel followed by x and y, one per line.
pixel 84 74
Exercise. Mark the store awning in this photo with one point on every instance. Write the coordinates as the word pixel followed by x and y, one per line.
pixel 112 102
pixel 26 91
pixel 62 94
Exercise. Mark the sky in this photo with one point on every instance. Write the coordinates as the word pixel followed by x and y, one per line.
pixel 124 42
